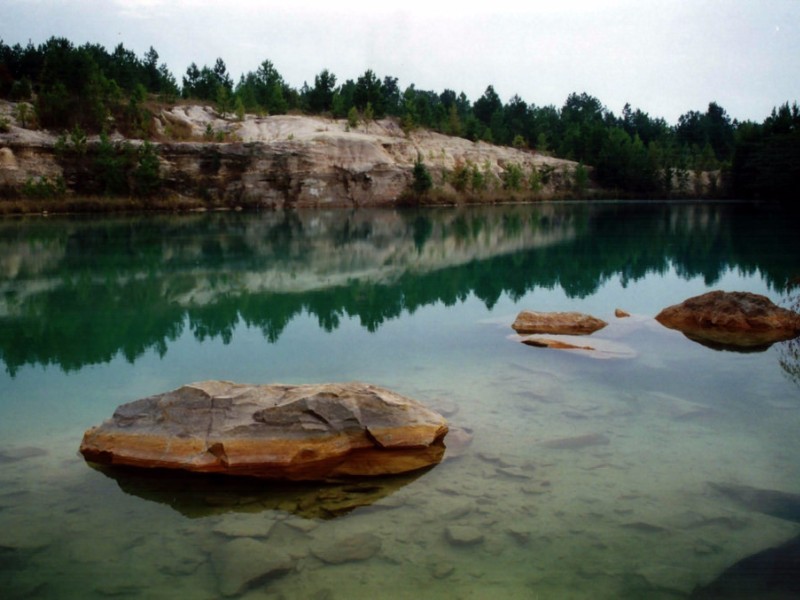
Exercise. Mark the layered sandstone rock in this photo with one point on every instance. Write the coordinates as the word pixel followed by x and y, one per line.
pixel 568 323
pixel 732 320
pixel 280 161
pixel 305 432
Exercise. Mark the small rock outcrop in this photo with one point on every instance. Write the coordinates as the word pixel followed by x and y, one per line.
pixel 568 323
pixel 732 320
pixel 305 432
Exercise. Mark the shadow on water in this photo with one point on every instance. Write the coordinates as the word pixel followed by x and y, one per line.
pixel 196 495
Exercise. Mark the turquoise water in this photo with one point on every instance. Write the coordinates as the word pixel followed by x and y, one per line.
pixel 95 312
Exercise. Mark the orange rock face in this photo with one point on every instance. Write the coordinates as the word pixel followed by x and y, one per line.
pixel 731 320
pixel 569 323
pixel 306 432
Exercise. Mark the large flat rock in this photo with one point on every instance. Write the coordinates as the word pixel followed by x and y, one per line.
pixel 305 432
pixel 731 320
pixel 569 323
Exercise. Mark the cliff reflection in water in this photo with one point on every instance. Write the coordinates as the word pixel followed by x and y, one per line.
pixel 80 291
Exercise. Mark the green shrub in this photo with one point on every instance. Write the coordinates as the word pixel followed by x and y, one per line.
pixel 581 178
pixel 43 188
pixel 422 177
pixel 535 180
pixel 352 118
pixel 110 167
pixel 477 180
pixel 512 177
pixel 146 175
pixel 24 114
pixel 460 177
pixel 77 138
pixel 519 142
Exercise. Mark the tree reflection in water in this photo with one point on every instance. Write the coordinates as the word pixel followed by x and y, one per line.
pixel 75 292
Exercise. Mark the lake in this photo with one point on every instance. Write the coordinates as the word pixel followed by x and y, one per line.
pixel 98 311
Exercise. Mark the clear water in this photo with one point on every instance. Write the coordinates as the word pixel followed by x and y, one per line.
pixel 96 312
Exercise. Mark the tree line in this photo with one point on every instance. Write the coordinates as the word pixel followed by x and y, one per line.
pixel 635 153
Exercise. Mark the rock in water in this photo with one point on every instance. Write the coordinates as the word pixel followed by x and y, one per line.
pixel 577 442
pixel 357 547
pixel 570 323
pixel 771 573
pixel 463 535
pixel 776 503
pixel 245 564
pixel 305 432
pixel 732 320
pixel 597 348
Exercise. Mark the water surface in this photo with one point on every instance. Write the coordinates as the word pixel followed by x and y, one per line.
pixel 95 312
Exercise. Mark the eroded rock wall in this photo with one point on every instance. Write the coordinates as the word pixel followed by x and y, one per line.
pixel 274 162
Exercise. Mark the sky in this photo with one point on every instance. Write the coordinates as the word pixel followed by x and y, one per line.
pixel 665 57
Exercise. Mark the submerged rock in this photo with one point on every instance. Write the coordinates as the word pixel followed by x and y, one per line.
pixel 570 323
pixel 458 440
pixel 245 564
pixel 732 321
pixel 597 348
pixel 463 535
pixel 776 503
pixel 305 432
pixel 771 573
pixel 16 454
pixel 577 442
pixel 360 546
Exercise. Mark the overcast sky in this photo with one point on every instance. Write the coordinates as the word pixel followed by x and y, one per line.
pixel 665 57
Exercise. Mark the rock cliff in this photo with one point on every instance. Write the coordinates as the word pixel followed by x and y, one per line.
pixel 277 161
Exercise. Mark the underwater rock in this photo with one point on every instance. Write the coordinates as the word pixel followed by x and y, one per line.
pixel 596 348
pixel 16 454
pixel 514 472
pixel 570 323
pixel 578 441
pixel 249 528
pixel 245 563
pixel 621 314
pixel 445 407
pixel 783 505
pixel 732 321
pixel 457 509
pixel 360 546
pixel 519 533
pixel 463 535
pixel 771 573
pixel 305 432
pixel 442 568
pixel 551 342
pixel 457 440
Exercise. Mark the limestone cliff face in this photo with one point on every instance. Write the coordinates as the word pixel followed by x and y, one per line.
pixel 275 162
